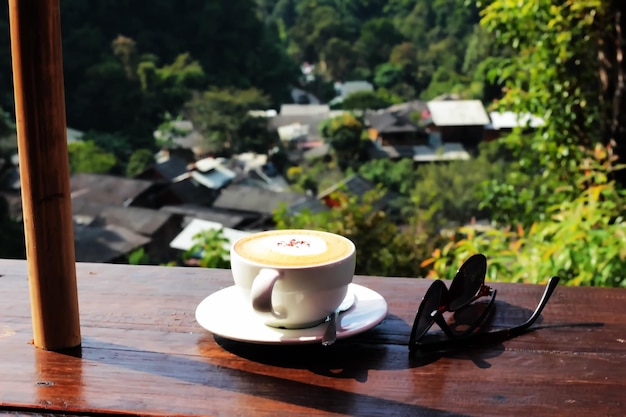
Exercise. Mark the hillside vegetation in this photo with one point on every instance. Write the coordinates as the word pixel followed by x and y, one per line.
pixel 554 196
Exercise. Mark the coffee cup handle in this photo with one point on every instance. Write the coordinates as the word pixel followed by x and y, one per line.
pixel 261 291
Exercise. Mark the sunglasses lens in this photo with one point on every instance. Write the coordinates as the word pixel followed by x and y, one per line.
pixel 430 302
pixel 467 282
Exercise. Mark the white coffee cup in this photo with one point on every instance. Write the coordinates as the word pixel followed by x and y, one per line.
pixel 293 278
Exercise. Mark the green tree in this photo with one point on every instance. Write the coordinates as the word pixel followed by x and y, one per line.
pixel 555 73
pixel 223 117
pixel 399 177
pixel 387 75
pixel 339 57
pixel 316 24
pixel 365 100
pixel 139 161
pixel 89 158
pixel 345 134
pixel 169 129
pixel 315 176
pixel 378 37
pixel 250 53
pixel 165 89
pixel 404 57
pixel 119 145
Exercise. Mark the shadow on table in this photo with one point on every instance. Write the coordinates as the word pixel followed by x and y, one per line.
pixel 379 349
pixel 194 370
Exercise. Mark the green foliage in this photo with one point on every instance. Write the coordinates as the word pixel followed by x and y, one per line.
pixel 350 39
pixel 210 249
pixel 378 37
pixel 557 208
pixel 169 130
pixel 396 176
pixel 387 75
pixel 315 25
pixel 446 194
pixel 139 161
pixel 340 58
pixel 123 73
pixel 118 144
pixel 381 248
pixel 314 176
pixel 553 74
pixel 445 81
pixel 364 100
pixel 139 257
pixel 345 134
pixel 222 116
pixel 87 157
pixel 582 240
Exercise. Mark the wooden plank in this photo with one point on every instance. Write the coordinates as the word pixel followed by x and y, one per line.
pixel 144 353
pixel 44 171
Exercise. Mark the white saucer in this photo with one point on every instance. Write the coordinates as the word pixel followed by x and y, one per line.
pixel 223 313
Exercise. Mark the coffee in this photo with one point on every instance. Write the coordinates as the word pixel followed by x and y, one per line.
pixel 292 248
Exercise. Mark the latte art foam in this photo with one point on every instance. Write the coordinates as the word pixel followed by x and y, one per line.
pixel 293 247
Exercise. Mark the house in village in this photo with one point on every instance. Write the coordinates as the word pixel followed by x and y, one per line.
pixel 256 202
pixel 394 128
pixel 108 243
pixel 456 121
pixel 114 190
pixel 198 182
pixel 298 127
pixel 150 211
pixel 107 233
pixel 396 136
pixel 258 170
pixel 167 169
pixel 114 216
pixel 226 218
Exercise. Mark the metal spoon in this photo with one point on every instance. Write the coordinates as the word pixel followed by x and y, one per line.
pixel 330 334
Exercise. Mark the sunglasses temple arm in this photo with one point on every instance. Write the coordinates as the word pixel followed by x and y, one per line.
pixel 491 337
pixel 547 293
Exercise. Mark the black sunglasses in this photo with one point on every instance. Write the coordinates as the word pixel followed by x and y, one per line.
pixel 467 286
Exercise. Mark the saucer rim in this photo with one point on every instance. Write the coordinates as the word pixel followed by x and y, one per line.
pixel 378 314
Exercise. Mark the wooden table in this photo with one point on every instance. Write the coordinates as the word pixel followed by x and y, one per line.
pixel 143 353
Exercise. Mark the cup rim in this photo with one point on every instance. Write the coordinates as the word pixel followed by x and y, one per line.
pixel 350 254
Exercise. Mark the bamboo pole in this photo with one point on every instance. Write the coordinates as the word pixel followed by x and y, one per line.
pixel 44 170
